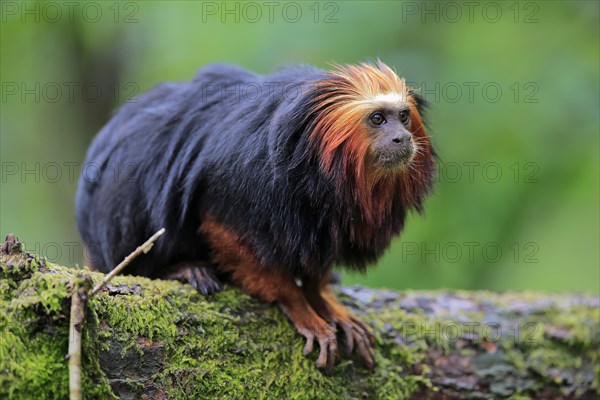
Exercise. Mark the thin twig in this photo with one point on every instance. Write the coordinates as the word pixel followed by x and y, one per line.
pixel 78 306
pixel 144 248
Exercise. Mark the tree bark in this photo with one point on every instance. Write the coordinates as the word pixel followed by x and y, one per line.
pixel 152 339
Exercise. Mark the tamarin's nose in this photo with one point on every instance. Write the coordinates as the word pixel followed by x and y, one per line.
pixel 402 140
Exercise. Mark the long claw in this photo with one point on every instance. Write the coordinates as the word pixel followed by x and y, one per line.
pixel 332 356
pixel 308 347
pixel 322 360
pixel 349 338
pixel 365 350
pixel 366 328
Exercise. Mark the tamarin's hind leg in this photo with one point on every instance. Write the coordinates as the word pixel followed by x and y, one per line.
pixel 357 333
pixel 271 285
pixel 200 275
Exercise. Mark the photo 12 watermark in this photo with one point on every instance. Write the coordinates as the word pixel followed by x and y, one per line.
pixel 126 12
pixel 66 171
pixel 452 12
pixel 478 91
pixel 253 12
pixel 68 92
pixel 469 252
pixel 520 333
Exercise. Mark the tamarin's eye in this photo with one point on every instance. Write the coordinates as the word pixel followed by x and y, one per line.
pixel 404 117
pixel 377 119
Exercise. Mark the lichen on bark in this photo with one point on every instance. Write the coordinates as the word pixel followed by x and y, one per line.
pixel 162 340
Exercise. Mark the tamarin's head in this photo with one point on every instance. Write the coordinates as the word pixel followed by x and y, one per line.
pixel 372 114
pixel 368 127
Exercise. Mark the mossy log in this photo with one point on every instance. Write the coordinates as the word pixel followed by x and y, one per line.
pixel 151 339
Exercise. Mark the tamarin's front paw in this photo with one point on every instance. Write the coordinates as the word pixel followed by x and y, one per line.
pixel 357 334
pixel 198 274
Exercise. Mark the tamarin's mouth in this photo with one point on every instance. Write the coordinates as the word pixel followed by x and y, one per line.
pixel 395 157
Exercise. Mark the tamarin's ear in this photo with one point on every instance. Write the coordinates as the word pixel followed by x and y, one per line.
pixel 422 107
pixel 421 103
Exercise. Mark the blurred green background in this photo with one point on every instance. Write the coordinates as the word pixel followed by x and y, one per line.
pixel 514 93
